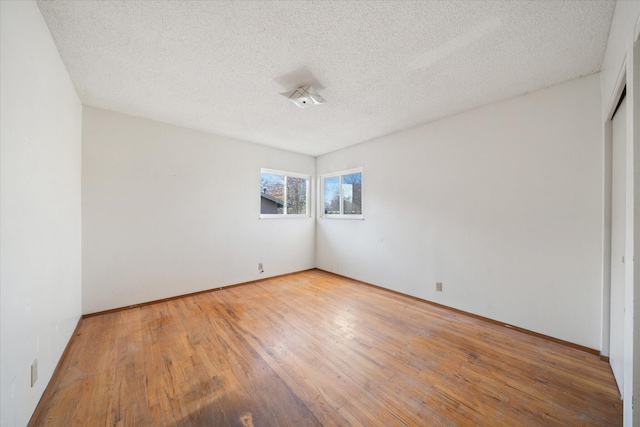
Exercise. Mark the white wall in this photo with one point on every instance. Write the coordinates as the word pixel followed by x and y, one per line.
pixel 40 258
pixel 168 211
pixel 502 204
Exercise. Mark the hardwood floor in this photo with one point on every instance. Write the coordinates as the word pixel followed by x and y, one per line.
pixel 316 349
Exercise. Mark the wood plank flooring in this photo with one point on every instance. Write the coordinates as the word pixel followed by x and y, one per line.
pixel 315 349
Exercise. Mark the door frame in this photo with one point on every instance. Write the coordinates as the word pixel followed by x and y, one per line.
pixel 629 76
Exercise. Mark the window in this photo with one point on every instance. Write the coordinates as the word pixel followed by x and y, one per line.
pixel 342 194
pixel 283 194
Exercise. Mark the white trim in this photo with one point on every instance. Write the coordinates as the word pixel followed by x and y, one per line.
pixel 606 238
pixel 621 82
pixel 631 415
pixel 344 172
pixel 286 174
pixel 283 216
pixel 340 174
pixel 347 217
pixel 278 172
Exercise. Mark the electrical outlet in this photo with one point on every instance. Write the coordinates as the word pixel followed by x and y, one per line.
pixel 260 268
pixel 34 372
pixel 439 286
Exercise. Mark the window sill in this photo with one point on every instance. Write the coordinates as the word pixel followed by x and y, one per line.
pixel 349 217
pixel 279 216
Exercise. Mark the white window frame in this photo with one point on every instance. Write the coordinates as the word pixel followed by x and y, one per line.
pixel 341 215
pixel 286 215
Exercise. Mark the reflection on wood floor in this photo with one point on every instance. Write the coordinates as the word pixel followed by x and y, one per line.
pixel 317 349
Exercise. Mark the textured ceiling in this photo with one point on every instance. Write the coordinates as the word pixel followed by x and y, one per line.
pixel 382 66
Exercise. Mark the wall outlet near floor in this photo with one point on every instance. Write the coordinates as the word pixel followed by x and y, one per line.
pixel 34 372
pixel 439 286
pixel 260 268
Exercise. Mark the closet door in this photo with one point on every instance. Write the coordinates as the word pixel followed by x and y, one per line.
pixel 618 235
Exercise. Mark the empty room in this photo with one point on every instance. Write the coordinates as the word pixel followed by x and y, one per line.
pixel 319 213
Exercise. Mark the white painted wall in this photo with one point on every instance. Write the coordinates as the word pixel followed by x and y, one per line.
pixel 502 204
pixel 168 211
pixel 41 118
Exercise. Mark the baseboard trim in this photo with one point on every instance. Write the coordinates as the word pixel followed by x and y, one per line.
pixel 56 373
pixel 158 301
pixel 604 358
pixel 476 316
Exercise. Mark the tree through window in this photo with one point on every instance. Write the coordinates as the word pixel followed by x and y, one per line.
pixel 342 194
pixel 283 193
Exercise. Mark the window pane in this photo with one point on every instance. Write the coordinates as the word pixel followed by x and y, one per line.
pixel 296 196
pixel 352 194
pixel 332 195
pixel 271 193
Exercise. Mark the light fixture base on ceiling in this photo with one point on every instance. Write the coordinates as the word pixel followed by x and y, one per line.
pixel 304 97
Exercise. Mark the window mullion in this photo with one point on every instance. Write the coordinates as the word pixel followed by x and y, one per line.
pixel 341 196
pixel 306 197
pixel 286 208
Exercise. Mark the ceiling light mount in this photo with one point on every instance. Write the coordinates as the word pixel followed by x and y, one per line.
pixel 305 96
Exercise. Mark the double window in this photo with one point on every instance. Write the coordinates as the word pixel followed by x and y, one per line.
pixel 283 194
pixel 342 194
